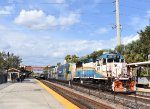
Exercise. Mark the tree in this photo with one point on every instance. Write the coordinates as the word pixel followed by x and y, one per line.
pixel 9 60
pixel 83 59
pixel 1 60
pixel 13 61
pixel 138 50
pixel 120 49
pixel 58 64
pixel 46 70
pixel 74 59
pixel 68 58
pixel 132 52
pixel 145 41
pixel 71 58
pixel 95 54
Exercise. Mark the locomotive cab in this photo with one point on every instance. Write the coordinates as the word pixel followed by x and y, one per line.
pixel 114 68
pixel 113 65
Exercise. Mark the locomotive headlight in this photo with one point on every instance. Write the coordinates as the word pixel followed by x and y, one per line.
pixel 125 89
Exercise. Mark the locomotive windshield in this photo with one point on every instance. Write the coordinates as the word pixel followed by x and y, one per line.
pixel 114 58
pixel 109 58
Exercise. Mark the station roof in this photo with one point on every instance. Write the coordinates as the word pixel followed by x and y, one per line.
pixel 146 63
pixel 13 70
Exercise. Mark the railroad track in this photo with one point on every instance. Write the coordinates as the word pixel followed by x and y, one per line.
pixel 79 100
pixel 144 94
pixel 134 101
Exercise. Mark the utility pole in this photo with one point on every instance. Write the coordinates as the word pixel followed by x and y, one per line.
pixel 118 23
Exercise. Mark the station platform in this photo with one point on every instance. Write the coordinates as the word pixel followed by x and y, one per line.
pixel 30 94
pixel 143 90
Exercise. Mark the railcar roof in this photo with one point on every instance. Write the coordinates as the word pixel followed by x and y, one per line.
pixel 110 54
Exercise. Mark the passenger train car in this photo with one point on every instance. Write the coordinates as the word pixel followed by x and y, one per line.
pixel 109 71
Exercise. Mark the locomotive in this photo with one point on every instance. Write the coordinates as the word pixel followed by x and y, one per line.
pixel 109 71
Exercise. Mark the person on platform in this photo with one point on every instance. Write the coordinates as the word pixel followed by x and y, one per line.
pixel 21 78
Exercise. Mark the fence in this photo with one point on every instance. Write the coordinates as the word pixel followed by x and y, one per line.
pixel 3 76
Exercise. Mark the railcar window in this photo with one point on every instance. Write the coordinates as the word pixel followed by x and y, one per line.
pixel 122 60
pixel 104 61
pixel 116 60
pixel 98 63
pixel 109 60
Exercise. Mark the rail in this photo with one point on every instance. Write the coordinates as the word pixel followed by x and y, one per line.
pixel 127 100
pixel 79 100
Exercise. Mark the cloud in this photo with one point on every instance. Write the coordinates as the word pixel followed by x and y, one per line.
pixel 59 1
pixel 135 21
pixel 69 20
pixel 6 10
pixel 15 1
pixel 46 49
pixel 148 14
pixel 97 1
pixel 100 31
pixel 37 19
pixel 38 49
pixel 129 39
pixel 138 23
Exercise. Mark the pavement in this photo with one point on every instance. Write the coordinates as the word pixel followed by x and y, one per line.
pixel 4 85
pixel 143 90
pixel 27 95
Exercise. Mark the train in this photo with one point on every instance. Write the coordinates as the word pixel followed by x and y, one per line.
pixel 109 71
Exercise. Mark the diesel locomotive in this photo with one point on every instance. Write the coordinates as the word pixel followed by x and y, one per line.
pixel 109 71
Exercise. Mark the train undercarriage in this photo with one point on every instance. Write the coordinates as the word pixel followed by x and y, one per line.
pixel 111 84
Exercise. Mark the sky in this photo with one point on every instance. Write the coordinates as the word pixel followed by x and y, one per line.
pixel 43 32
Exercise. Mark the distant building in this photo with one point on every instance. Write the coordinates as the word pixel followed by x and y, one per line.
pixel 13 74
pixel 38 70
pixel 28 68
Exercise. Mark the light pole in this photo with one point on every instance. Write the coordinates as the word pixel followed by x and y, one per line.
pixel 48 71
pixel 118 23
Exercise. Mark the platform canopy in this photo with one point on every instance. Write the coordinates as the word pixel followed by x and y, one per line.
pixel 146 63
pixel 13 70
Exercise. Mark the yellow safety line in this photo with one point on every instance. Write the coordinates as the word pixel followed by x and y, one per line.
pixel 60 98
